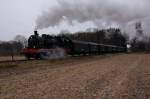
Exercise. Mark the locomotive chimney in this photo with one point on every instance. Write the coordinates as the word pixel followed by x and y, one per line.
pixel 36 32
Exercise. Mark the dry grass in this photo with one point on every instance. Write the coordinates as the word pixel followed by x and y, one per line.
pixel 8 65
pixel 9 58
pixel 93 77
pixel 41 63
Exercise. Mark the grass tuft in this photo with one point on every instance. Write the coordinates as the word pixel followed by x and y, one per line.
pixel 8 65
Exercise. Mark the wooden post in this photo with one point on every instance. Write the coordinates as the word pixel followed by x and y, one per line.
pixel 12 53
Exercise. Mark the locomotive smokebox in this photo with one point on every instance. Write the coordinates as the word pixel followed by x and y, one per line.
pixel 36 32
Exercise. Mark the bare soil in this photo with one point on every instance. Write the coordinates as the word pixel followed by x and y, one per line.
pixel 121 76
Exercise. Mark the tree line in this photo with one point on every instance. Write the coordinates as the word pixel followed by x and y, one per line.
pixel 13 47
pixel 111 36
pixel 140 42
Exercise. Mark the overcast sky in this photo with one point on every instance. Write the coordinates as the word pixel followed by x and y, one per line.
pixel 20 16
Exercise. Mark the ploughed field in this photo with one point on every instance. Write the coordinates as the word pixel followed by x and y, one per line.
pixel 118 76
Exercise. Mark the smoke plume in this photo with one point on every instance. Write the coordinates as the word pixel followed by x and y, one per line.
pixel 122 13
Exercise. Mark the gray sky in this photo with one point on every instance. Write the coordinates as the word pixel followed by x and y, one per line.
pixel 21 16
pixel 18 16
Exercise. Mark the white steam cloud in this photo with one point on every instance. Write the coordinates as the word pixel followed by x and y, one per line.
pixel 100 12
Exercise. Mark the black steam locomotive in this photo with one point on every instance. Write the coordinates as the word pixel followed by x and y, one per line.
pixel 47 47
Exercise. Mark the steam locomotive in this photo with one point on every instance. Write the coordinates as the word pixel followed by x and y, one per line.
pixel 50 47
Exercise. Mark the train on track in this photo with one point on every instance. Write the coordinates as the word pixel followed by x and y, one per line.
pixel 50 47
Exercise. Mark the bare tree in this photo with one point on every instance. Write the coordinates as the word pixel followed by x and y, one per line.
pixel 21 39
